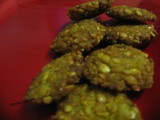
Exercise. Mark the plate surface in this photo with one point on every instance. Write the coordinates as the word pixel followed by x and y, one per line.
pixel 26 32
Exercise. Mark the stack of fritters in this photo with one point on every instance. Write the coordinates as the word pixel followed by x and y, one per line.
pixel 111 70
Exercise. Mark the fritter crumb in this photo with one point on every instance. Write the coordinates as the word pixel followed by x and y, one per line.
pixel 124 12
pixel 134 34
pixel 82 36
pixel 56 79
pixel 120 67
pixel 86 103
pixel 89 9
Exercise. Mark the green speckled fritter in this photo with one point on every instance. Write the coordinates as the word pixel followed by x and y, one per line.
pixel 89 9
pixel 56 79
pixel 81 36
pixel 86 103
pixel 120 67
pixel 131 13
pixel 136 35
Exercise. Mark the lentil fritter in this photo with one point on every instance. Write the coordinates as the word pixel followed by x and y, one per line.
pixel 124 12
pixel 120 67
pixel 85 103
pixel 136 35
pixel 89 9
pixel 81 36
pixel 56 79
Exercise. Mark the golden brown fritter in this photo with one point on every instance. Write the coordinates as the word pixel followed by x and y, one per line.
pixel 120 67
pixel 81 36
pixel 56 79
pixel 85 103
pixel 124 12
pixel 136 35
pixel 89 9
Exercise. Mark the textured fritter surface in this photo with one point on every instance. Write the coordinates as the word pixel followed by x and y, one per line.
pixel 120 67
pixel 89 9
pixel 136 35
pixel 56 79
pixel 131 13
pixel 85 103
pixel 81 36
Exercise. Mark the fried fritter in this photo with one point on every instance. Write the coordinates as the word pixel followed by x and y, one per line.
pixel 136 35
pixel 81 36
pixel 86 103
pixel 56 79
pixel 124 12
pixel 120 67
pixel 89 9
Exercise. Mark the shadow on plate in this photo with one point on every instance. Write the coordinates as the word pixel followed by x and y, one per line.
pixel 134 95
pixel 52 54
pixel 39 111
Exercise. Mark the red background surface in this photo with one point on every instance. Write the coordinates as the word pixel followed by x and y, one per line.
pixel 27 28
